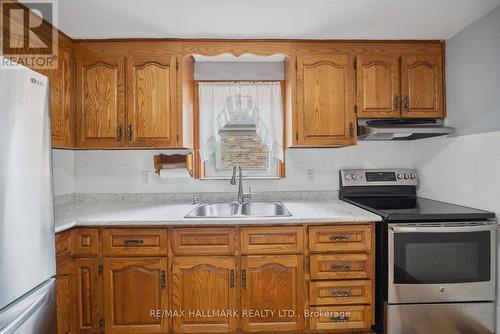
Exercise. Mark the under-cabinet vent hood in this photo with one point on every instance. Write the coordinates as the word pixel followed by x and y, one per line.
pixel 401 129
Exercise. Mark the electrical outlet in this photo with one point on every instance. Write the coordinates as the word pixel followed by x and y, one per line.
pixel 310 174
pixel 146 176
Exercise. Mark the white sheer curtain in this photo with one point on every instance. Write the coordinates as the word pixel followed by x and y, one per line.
pixel 216 100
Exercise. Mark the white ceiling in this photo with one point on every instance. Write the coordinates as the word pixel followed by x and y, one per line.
pixel 296 19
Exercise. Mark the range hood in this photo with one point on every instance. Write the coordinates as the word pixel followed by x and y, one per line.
pixel 401 129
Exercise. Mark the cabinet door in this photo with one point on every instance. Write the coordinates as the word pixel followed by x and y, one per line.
pixel 88 297
pixel 66 322
pixel 153 115
pixel 133 287
pixel 61 85
pixel 378 86
pixel 422 86
pixel 200 286
pixel 100 110
pixel 274 283
pixel 325 101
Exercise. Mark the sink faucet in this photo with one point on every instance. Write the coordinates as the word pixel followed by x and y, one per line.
pixel 241 196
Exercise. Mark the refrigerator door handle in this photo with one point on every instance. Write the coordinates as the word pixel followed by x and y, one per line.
pixel 26 314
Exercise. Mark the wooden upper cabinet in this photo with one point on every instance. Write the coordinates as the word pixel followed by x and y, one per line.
pixel 133 287
pixel 61 101
pixel 422 86
pixel 273 283
pixel 153 117
pixel 100 109
pixel 378 86
pixel 204 284
pixel 325 100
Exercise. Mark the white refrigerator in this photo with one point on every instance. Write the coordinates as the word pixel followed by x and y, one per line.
pixel 27 250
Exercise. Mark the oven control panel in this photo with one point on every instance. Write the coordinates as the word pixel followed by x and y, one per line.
pixel 378 177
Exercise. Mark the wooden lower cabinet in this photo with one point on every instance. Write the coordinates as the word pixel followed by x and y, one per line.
pixel 133 288
pixel 340 317
pixel 274 283
pixel 203 288
pixel 66 322
pixel 88 295
pixel 114 281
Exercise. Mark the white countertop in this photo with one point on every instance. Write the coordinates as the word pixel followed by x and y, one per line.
pixel 128 213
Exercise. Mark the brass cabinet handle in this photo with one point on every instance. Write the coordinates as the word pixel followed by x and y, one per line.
pixel 163 279
pixel 231 278
pixel 341 293
pixel 129 242
pixel 340 316
pixel 340 266
pixel 351 130
pixel 119 133
pixel 406 103
pixel 339 237
pixel 244 278
pixel 396 102
pixel 129 132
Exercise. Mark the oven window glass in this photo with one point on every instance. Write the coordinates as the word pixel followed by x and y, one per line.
pixel 432 258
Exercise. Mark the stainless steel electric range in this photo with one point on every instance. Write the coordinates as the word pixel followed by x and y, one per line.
pixel 436 263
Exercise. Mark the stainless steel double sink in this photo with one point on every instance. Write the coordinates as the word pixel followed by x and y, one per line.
pixel 236 210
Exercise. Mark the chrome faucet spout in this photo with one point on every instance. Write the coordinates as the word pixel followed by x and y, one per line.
pixel 241 195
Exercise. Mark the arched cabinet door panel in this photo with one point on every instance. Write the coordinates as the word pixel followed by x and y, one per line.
pixel 325 101
pixel 133 287
pixel 378 88
pixel 153 115
pixel 100 101
pixel 275 283
pixel 200 286
pixel 422 86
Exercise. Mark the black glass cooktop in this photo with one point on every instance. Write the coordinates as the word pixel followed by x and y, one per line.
pixel 417 209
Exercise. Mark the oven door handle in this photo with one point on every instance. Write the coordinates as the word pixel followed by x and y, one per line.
pixel 444 229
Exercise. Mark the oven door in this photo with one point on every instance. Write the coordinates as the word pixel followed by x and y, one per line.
pixel 448 262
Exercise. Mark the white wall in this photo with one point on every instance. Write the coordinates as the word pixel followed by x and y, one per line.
pixel 473 76
pixel 63 165
pixel 212 70
pixel 122 171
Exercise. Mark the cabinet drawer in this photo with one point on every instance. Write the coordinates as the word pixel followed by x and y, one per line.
pixel 64 247
pixel 272 240
pixel 135 242
pixel 340 317
pixel 86 241
pixel 203 241
pixel 340 292
pixel 340 266
pixel 349 238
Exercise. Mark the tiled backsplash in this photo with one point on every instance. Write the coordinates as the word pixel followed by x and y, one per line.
pixel 126 171
pixel 463 170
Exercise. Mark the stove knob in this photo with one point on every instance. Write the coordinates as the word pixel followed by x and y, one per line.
pixel 400 176
pixel 354 177
pixel 413 176
pixel 348 177
pixel 407 176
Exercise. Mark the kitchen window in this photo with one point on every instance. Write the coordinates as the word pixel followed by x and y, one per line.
pixel 240 123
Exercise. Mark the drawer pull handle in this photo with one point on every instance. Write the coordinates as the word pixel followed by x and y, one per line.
pixel 133 242
pixel 339 238
pixel 340 266
pixel 341 293
pixel 340 316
